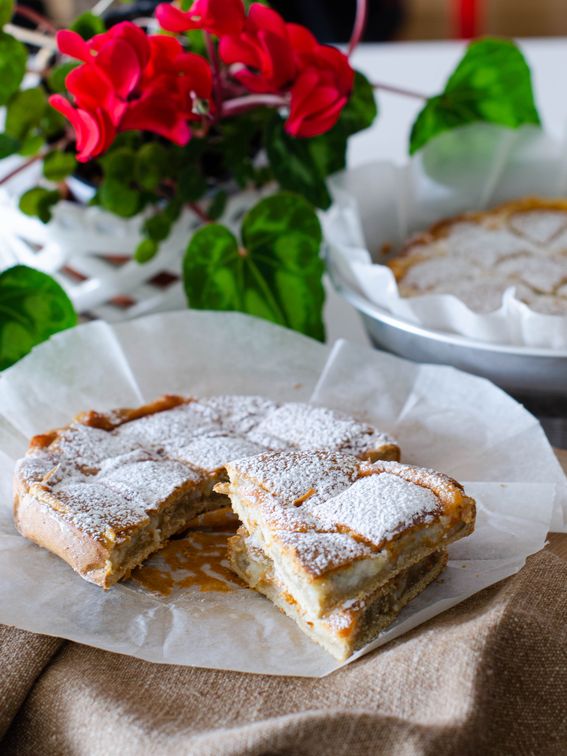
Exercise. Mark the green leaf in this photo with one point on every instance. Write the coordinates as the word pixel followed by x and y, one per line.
pixel 119 198
pixel 6 11
pixel 361 110
pixel 328 151
pixel 8 145
pixel 276 274
pixel 145 251
pixel 157 227
pixel 87 25
pixel 38 202
pixel 13 60
pixel 32 308
pixel 240 139
pixel 58 165
pixel 190 183
pixel 119 163
pixel 197 42
pixel 294 166
pixel 31 144
pixel 492 83
pixel 152 165
pixel 52 123
pixel 57 76
pixel 25 111
pixel 218 205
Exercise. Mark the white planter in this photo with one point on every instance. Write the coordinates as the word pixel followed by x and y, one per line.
pixel 89 251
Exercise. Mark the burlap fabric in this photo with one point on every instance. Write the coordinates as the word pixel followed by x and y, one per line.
pixel 487 677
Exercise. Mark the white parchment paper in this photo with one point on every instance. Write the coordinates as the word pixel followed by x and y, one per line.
pixel 455 422
pixel 473 168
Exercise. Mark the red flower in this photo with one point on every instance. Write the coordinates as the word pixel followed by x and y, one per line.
pixel 130 81
pixel 320 92
pixel 270 56
pixel 262 54
pixel 218 17
pixel 94 131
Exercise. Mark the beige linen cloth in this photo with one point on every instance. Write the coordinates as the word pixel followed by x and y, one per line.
pixel 487 677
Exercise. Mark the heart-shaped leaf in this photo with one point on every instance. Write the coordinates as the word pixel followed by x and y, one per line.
pixel 361 109
pixel 8 145
pixel 38 202
pixel 58 165
pixel 6 11
pixel 293 165
pixel 276 273
pixel 13 59
pixel 87 25
pixel 492 83
pixel 32 308
pixel 24 112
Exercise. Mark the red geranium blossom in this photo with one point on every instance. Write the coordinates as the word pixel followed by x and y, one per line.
pixel 271 56
pixel 215 16
pixel 262 53
pixel 322 88
pixel 130 81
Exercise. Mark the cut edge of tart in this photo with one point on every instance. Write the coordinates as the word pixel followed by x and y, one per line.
pixel 335 529
pixel 347 627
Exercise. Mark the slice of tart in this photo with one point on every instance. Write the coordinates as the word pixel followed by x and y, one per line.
pixel 350 625
pixel 333 529
pixel 109 489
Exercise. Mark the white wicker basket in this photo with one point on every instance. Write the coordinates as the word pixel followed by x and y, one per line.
pixel 89 251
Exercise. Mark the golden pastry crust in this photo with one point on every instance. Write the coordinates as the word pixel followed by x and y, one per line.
pixel 478 255
pixel 336 528
pixel 110 488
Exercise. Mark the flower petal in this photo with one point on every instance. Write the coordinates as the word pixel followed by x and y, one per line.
pixel 153 113
pixel 72 44
pixel 120 62
pixel 172 19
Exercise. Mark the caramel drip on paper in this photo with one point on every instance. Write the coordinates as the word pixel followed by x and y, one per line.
pixel 198 560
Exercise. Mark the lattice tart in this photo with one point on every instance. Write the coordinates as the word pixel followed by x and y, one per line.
pixel 478 255
pixel 341 545
pixel 106 491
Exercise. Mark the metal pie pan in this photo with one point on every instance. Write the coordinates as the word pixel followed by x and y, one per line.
pixel 535 374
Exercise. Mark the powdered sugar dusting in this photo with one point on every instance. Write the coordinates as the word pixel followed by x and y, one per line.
pixel 477 260
pixel 240 414
pixel 377 508
pixel 323 551
pixel 95 508
pixel 307 427
pixel 328 509
pixel 134 468
pixel 213 451
pixel 292 475
pixel 153 480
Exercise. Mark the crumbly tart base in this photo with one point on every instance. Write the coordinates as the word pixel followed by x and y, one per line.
pixel 349 626
pixel 109 489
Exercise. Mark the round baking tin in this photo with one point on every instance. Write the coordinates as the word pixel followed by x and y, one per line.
pixel 536 377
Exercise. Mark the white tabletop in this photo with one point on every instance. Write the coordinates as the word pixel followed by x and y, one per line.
pixel 424 67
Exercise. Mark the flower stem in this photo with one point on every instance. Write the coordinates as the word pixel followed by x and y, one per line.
pixel 400 91
pixel 359 25
pixel 215 65
pixel 199 212
pixel 248 102
pixel 21 167
pixel 35 17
